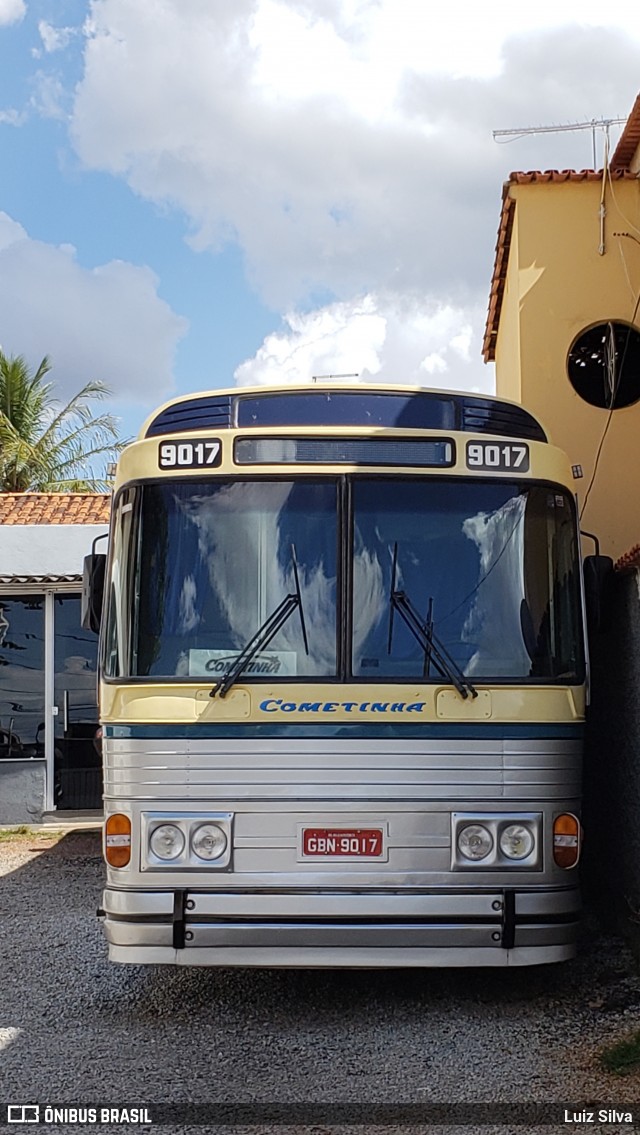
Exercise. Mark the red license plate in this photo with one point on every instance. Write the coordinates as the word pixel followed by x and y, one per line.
pixel 342 841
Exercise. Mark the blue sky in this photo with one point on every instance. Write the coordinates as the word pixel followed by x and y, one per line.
pixel 195 193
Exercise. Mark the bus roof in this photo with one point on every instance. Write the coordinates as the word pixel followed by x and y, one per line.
pixel 356 404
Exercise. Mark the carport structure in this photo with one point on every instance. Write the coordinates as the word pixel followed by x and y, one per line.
pixel 48 710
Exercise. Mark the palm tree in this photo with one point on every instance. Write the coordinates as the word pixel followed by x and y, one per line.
pixel 45 448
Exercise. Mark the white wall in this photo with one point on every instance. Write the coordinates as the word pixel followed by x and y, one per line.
pixel 47 549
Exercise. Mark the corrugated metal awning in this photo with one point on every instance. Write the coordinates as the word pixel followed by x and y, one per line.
pixel 13 579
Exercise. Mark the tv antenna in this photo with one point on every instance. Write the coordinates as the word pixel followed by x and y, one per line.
pixel 595 124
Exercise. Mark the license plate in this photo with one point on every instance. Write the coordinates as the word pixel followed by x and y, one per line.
pixel 352 842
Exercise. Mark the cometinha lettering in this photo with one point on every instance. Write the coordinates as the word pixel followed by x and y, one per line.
pixel 603 1115
pixel 279 705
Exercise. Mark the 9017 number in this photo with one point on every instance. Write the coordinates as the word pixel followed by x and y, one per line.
pixel 488 455
pixel 196 454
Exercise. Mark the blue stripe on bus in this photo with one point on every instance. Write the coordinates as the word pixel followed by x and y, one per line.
pixel 379 731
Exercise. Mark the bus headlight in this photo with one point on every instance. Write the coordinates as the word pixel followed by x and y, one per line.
pixel 516 841
pixel 208 842
pixel 167 841
pixel 496 841
pixel 186 841
pixel 475 842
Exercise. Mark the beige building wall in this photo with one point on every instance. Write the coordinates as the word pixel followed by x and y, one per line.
pixel 566 272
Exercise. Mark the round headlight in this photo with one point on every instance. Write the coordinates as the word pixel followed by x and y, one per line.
pixel 167 841
pixel 209 841
pixel 516 841
pixel 475 842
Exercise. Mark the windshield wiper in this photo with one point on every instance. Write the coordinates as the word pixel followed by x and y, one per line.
pixel 272 624
pixel 422 630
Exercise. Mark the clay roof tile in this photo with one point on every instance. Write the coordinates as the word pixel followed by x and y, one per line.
pixel 629 140
pixel 55 508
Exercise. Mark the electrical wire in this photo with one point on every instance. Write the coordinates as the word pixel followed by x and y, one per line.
pixel 602 212
pixel 625 265
pixel 623 215
pixel 614 382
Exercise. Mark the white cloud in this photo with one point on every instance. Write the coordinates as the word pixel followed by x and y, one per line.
pixel 12 117
pixel 345 145
pixel 359 53
pixel 48 96
pixel 10 231
pixel 332 140
pixel 55 39
pixel 106 323
pixel 12 11
pixel 381 338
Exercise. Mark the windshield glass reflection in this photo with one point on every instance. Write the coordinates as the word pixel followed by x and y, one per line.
pixel 491 568
pixel 217 559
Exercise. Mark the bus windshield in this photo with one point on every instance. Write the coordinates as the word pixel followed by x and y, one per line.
pixel 490 568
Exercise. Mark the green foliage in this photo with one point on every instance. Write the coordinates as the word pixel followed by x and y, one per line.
pixel 10 833
pixel 623 1057
pixel 15 835
pixel 45 447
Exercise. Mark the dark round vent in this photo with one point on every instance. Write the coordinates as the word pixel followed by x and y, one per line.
pixel 604 365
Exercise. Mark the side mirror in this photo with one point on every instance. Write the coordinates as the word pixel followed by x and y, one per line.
pixel 92 591
pixel 597 571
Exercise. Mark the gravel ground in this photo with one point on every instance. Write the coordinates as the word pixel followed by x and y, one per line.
pixel 76 1029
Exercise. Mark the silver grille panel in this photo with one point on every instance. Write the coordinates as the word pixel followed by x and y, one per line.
pixel 409 788
pixel 287 769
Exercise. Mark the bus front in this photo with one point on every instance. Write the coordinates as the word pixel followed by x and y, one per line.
pixel 342 686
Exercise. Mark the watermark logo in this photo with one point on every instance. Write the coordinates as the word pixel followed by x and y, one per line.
pixel 23 1113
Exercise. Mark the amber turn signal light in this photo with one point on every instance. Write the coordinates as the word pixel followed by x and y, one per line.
pixel 567 840
pixel 117 840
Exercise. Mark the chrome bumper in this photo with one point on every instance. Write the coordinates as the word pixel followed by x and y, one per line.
pixel 341 930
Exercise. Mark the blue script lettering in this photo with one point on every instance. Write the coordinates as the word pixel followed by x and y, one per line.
pixel 273 705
